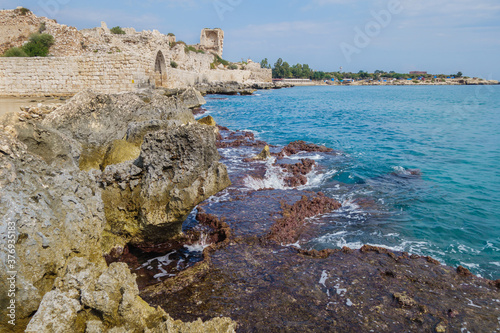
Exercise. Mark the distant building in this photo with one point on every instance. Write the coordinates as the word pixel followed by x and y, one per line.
pixel 418 73
pixel 293 80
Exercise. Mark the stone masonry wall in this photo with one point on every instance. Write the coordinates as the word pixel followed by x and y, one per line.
pixel 108 74
pixel 97 60
pixel 69 75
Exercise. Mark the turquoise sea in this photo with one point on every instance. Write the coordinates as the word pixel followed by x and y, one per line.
pixel 418 170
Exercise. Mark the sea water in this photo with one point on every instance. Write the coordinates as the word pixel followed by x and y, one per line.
pixel 418 169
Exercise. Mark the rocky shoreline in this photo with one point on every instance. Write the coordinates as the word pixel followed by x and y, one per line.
pixel 102 189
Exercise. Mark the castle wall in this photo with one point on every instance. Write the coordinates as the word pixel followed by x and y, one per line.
pixel 69 75
pixel 178 78
pixel 98 60
pixel 111 73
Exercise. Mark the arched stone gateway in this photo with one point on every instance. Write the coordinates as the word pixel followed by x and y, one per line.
pixel 160 70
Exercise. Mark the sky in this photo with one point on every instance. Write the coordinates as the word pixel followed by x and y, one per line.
pixel 437 36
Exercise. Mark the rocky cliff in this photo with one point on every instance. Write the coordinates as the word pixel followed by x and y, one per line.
pixel 95 174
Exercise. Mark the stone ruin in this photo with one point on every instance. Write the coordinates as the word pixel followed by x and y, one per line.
pixel 212 40
pixel 110 63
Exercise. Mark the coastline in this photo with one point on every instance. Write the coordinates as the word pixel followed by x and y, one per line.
pixel 397 83
pixel 240 236
pixel 254 270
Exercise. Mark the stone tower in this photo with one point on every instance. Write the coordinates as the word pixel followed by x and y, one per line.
pixel 212 40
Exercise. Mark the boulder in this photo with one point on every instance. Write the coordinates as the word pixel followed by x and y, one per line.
pixel 55 148
pixel 148 199
pixel 57 214
pixel 90 298
pixel 192 98
pixel 120 151
pixel 264 154
pixel 208 120
pixel 96 121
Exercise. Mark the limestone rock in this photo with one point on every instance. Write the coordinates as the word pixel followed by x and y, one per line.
pixel 208 120
pixel 57 313
pixel 148 200
pixel 98 120
pixel 120 151
pixel 137 130
pixel 192 98
pixel 57 214
pixel 264 154
pixel 216 325
pixel 55 148
pixel 90 298
pixel 61 217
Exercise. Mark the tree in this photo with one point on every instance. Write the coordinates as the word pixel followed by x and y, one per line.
pixel 363 74
pixel 296 71
pixel 286 70
pixel 307 72
pixel 459 74
pixel 265 64
pixel 281 69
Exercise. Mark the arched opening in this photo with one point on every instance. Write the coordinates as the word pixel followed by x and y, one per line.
pixel 160 70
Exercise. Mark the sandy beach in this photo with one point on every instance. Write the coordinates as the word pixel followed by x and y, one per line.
pixel 13 104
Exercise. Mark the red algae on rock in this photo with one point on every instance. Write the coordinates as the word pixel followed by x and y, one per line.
pixel 269 288
pixel 301 146
pixel 298 171
pixel 288 228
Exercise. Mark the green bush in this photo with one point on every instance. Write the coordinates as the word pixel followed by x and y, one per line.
pixel 173 64
pixel 38 45
pixel 42 28
pixel 218 60
pixel 170 34
pixel 177 43
pixel 15 52
pixel 233 66
pixel 117 30
pixel 188 49
pixel 24 11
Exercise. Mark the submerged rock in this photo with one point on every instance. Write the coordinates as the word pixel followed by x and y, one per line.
pixel 301 146
pixel 287 229
pixel 269 288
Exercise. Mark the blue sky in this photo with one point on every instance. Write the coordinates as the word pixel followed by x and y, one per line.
pixel 444 36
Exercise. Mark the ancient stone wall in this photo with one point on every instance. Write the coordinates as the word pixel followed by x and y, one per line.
pixel 111 73
pixel 98 60
pixel 69 75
